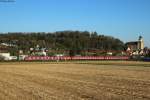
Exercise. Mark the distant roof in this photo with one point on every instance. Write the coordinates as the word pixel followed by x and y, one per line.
pixel 132 43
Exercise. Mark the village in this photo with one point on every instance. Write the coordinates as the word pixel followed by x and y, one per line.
pixel 134 50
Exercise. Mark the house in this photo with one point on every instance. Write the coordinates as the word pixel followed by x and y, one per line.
pixel 136 47
pixel 6 56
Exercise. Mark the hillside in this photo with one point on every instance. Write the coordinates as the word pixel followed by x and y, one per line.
pixel 63 40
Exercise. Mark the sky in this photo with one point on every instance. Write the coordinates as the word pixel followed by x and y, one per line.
pixel 123 19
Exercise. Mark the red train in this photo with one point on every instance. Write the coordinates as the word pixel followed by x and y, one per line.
pixel 51 58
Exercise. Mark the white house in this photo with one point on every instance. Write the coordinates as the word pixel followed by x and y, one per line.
pixel 7 56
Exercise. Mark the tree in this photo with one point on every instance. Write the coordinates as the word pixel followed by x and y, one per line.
pixel 76 41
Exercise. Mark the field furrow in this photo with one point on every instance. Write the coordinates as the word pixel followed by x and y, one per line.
pixel 73 82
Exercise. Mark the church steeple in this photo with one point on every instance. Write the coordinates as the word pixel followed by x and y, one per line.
pixel 140 38
pixel 140 43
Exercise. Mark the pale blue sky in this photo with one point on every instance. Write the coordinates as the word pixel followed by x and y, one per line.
pixel 124 19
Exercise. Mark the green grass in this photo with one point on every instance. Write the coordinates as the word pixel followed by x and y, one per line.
pixel 117 63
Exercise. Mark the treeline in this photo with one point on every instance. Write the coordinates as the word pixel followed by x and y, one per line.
pixel 63 40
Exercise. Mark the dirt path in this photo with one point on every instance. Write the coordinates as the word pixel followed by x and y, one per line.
pixel 73 82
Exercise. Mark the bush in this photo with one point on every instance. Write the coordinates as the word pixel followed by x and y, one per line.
pixel 1 58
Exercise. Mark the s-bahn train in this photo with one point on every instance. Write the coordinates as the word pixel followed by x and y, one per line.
pixel 52 58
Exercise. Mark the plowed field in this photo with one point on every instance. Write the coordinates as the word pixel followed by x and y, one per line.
pixel 72 81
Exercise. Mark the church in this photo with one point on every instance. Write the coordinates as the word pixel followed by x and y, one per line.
pixel 136 47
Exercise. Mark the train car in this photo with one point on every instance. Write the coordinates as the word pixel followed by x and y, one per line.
pixel 53 58
pixel 147 59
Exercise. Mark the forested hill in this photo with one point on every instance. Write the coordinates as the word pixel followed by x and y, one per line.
pixel 63 40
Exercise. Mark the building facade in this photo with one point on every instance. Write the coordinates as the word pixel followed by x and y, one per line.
pixel 136 47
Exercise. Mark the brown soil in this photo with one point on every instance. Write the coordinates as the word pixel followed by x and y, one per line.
pixel 35 81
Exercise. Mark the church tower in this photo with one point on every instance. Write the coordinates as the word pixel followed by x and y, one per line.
pixel 140 43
